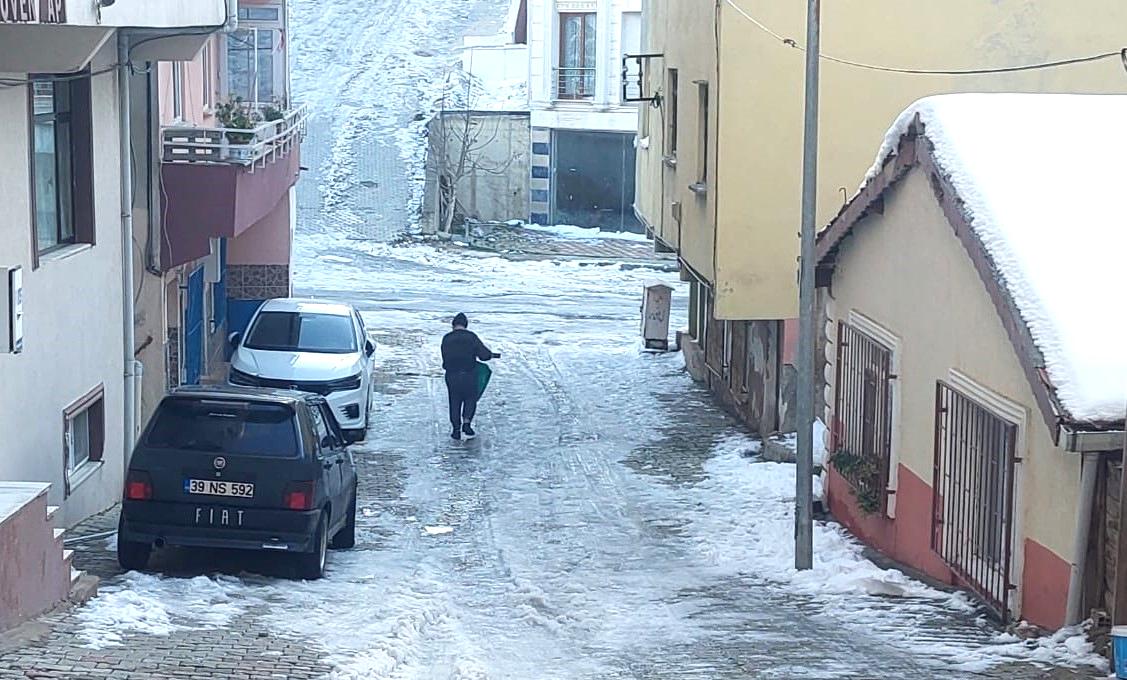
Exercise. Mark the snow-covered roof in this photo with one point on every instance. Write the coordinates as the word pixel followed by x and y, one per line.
pixel 1043 184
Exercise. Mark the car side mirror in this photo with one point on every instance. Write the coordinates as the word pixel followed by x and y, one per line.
pixel 369 348
pixel 235 339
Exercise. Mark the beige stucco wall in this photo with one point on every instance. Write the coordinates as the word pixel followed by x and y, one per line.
pixel 72 314
pixel 944 319
pixel 684 31
pixel 761 108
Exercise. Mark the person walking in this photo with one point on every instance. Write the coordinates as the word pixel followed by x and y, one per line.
pixel 461 350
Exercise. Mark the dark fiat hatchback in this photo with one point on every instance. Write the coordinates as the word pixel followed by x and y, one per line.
pixel 244 468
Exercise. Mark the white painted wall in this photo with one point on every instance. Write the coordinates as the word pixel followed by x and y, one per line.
pixel 72 314
pixel 618 32
pixel 148 13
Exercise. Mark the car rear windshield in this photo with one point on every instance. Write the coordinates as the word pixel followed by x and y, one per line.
pixel 229 427
pixel 302 332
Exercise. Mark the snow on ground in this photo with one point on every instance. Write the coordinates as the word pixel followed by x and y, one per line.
pixel 155 605
pixel 842 580
pixel 567 231
pixel 1058 255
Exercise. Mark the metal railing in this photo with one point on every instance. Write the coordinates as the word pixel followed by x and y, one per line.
pixel 573 83
pixel 973 495
pixel 863 416
pixel 263 144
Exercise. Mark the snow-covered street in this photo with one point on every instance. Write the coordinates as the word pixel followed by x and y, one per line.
pixel 609 522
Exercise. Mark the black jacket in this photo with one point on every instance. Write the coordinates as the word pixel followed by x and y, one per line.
pixel 461 349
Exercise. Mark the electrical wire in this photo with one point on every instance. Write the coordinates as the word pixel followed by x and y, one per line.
pixel 790 42
pixel 22 82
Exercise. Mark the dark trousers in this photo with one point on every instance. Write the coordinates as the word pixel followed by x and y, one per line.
pixel 462 388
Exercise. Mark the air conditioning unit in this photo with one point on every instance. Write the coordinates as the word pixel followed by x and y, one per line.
pixel 213 264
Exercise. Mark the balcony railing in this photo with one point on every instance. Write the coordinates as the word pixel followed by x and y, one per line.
pixel 572 83
pixel 263 144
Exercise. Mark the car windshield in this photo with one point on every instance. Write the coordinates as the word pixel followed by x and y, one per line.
pixel 229 427
pixel 301 332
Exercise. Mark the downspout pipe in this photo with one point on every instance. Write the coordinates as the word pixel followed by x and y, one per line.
pixel 125 125
pixel 1088 476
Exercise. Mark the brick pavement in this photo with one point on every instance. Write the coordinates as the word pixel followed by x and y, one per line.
pixel 243 649
pixel 518 242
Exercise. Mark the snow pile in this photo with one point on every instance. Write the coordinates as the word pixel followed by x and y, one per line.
pixel 764 492
pixel 582 233
pixel 744 525
pixel 154 605
pixel 821 436
pixel 1042 181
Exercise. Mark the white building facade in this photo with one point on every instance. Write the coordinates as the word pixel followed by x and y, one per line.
pixel 65 381
pixel 583 131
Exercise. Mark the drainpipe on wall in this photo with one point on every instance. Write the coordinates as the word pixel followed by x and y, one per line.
pixel 1088 475
pixel 129 412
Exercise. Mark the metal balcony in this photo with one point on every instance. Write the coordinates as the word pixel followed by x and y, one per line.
pixel 572 83
pixel 257 147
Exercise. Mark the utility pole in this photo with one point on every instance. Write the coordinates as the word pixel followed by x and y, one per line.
pixel 804 472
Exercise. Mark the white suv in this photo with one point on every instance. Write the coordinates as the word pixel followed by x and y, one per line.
pixel 311 346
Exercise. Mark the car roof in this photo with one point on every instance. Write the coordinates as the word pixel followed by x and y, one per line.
pixel 254 394
pixel 307 305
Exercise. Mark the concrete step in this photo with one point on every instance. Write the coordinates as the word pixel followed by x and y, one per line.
pixel 52 510
pixel 59 533
pixel 68 555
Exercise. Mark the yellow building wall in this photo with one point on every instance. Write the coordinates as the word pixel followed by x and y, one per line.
pixel 752 254
pixel 944 319
pixel 684 30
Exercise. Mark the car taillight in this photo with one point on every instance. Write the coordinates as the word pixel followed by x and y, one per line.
pixel 138 486
pixel 298 496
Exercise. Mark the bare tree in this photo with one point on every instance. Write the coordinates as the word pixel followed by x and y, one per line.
pixel 461 148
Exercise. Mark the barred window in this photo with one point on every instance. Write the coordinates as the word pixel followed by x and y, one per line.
pixel 863 411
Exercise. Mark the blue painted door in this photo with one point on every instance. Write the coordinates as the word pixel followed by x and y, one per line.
pixel 194 329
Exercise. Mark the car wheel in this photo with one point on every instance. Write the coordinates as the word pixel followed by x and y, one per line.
pixel 346 537
pixel 131 555
pixel 311 565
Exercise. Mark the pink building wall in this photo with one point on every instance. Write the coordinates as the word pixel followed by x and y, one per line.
pixel 192 87
pixel 267 242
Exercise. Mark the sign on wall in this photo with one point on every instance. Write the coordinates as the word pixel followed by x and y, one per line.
pixel 11 310
pixel 33 11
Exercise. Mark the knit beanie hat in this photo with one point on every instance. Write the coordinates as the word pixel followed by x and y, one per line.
pixel 461 320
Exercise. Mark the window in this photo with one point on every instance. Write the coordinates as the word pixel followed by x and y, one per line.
pixel 260 14
pixel 576 76
pixel 863 412
pixel 178 90
pixel 208 79
pixel 251 64
pixel 61 163
pixel 84 427
pixel 975 451
pixel 671 114
pixel 702 141
pixel 320 425
pixel 230 427
pixel 297 332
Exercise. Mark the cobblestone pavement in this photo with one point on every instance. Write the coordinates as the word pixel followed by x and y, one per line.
pixel 517 242
pixel 53 646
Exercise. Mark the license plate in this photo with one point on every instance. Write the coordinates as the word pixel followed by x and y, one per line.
pixel 215 487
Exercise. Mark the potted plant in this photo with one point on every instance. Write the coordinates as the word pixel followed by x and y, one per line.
pixel 273 113
pixel 235 116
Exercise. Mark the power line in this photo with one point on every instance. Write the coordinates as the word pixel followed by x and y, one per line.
pixel 790 42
